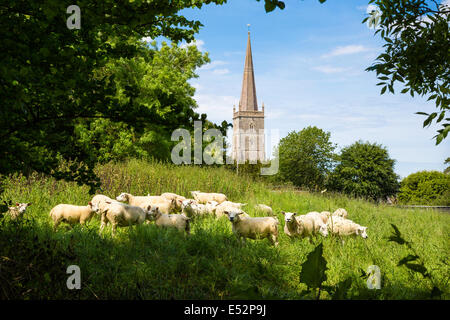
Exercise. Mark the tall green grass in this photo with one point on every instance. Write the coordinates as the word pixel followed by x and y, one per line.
pixel 145 262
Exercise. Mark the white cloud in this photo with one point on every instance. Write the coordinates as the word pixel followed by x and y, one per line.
pixel 212 65
pixel 198 43
pixel 329 69
pixel 345 50
pixel 147 39
pixel 221 71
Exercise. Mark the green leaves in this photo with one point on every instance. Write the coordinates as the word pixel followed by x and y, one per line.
pixel 416 53
pixel 313 269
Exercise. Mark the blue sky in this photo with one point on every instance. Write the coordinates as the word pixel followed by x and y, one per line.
pixel 309 62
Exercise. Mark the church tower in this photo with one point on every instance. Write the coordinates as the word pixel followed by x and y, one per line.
pixel 248 121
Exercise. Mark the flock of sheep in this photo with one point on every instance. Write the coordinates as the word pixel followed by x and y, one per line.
pixel 127 210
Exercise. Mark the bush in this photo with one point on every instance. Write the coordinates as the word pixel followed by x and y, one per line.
pixel 425 188
pixel 365 170
pixel 306 157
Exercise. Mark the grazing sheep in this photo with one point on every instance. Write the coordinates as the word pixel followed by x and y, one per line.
pixel 341 213
pixel 266 210
pixel 191 208
pixel 203 197
pixel 123 215
pixel 310 224
pixel 291 226
pixel 344 227
pixel 72 214
pixel 17 211
pixel 166 206
pixel 173 196
pixel 253 228
pixel 138 200
pixel 325 215
pixel 227 206
pixel 178 221
pixel 100 200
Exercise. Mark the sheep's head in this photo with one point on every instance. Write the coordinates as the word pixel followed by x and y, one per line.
pixel 289 217
pixel 153 213
pixel 94 207
pixel 22 207
pixel 341 213
pixel 187 203
pixel 323 230
pixel 122 197
pixel 361 231
pixel 233 216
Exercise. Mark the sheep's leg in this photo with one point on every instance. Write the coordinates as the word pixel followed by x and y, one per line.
pixel 274 239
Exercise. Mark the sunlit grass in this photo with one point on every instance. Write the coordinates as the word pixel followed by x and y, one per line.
pixel 151 263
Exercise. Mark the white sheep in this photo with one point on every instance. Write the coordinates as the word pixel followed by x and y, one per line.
pixel 138 200
pixel 17 211
pixel 191 208
pixel 325 215
pixel 264 209
pixel 72 214
pixel 203 197
pixel 101 201
pixel 166 206
pixel 310 224
pixel 173 196
pixel 291 225
pixel 123 215
pixel 253 228
pixel 345 227
pixel 178 221
pixel 227 206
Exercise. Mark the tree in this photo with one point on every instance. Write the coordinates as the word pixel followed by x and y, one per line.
pixel 305 157
pixel 159 78
pixel 417 53
pixel 364 170
pixel 447 170
pixel 425 188
pixel 49 76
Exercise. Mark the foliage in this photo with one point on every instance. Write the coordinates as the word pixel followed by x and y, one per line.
pixel 413 261
pixel 305 157
pixel 365 170
pixel 159 78
pixel 49 76
pixel 447 170
pixel 416 54
pixel 425 188
pixel 146 262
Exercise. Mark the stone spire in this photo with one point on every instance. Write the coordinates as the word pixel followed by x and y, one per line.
pixel 248 96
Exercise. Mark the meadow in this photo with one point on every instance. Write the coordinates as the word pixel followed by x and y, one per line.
pixel 146 262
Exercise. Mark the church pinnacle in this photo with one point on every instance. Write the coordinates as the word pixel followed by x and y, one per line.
pixel 248 100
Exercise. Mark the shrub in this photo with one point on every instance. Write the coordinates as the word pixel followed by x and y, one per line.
pixel 425 188
pixel 365 170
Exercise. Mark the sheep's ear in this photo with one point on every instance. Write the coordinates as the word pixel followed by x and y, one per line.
pixel 284 213
pixel 17 204
pixel 90 203
pixel 295 213
pixel 29 203
pixel 149 207
pixel 227 212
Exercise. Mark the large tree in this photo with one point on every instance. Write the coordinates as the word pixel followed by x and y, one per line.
pixel 364 170
pixel 306 157
pixel 49 76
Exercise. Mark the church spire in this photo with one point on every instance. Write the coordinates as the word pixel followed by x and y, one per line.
pixel 248 96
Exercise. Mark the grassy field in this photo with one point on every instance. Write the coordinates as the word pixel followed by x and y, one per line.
pixel 146 262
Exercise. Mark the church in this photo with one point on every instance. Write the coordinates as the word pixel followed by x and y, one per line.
pixel 248 121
